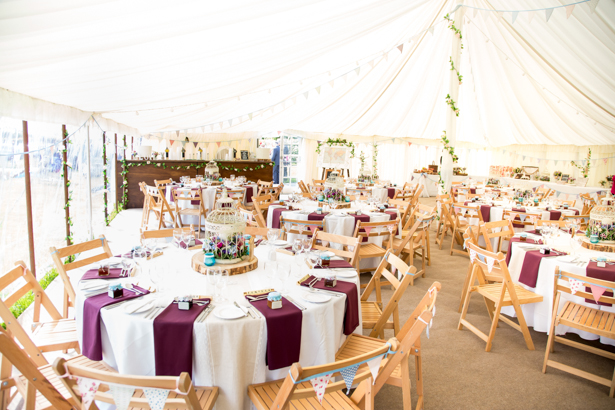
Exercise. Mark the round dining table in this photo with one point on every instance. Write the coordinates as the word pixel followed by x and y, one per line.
pixel 229 354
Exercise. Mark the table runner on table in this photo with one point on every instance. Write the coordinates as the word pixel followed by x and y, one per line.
pixel 193 202
pixel 337 264
pixel 593 271
pixel 93 274
pixel 391 192
pixel 313 216
pixel 510 247
pixel 91 343
pixel 517 218
pixel 531 265
pixel 275 216
pixel 283 331
pixel 173 338
pixel 351 317
pixel 249 193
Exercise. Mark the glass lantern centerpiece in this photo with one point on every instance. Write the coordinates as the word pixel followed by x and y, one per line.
pixel 212 172
pixel 602 224
pixel 334 188
pixel 365 175
pixel 224 232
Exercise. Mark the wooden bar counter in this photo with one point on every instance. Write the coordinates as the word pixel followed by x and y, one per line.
pixel 148 171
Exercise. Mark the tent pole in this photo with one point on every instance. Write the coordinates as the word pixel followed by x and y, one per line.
pixel 115 150
pixel 105 179
pixel 26 166
pixel 446 170
pixel 66 193
pixel 90 230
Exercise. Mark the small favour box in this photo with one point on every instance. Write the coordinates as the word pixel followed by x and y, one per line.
pixel 184 303
pixel 116 291
pixel 381 208
pixel 103 269
pixel 330 280
pixel 523 237
pixel 601 262
pixel 545 251
pixel 326 261
pixel 319 210
pixel 565 206
pixel 274 300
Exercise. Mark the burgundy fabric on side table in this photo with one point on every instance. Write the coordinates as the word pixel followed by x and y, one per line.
pixel 93 274
pixel 91 333
pixel 593 271
pixel 283 333
pixel 555 215
pixel 531 266
pixel 510 247
pixel 485 211
pixel 391 192
pixel 351 317
pixel 173 338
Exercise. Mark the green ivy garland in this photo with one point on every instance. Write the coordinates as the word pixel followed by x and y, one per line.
pixel 337 141
pixel 105 179
pixel 459 76
pixel 447 147
pixel 124 202
pixel 451 103
pixel 584 168
pixel 375 161
pixel 451 26
pixel 69 220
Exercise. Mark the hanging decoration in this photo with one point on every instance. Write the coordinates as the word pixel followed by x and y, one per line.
pixel 375 161
pixel 584 168
pixel 124 202
pixel 337 141
pixel 69 220
pixel 459 76
pixel 451 103
pixel 105 179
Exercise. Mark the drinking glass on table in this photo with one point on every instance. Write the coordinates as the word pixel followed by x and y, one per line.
pixel 140 258
pixel 284 274
pixel 576 242
pixel 271 267
pixel 221 284
pixel 213 277
pixel 307 244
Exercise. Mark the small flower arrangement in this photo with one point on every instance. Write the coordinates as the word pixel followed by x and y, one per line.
pixel 493 181
pixel 545 178
pixel 527 194
pixel 557 174
pixel 232 247
pixel 572 180
pixel 333 194
pixel 517 170
pixel 604 232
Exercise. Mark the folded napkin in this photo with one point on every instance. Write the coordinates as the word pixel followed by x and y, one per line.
pixel 275 216
pixel 283 331
pixel 93 274
pixel 391 192
pixel 531 266
pixel 173 338
pixel 92 345
pixel 351 317
pixel 317 217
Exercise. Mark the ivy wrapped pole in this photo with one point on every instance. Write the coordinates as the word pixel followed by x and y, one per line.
pixel 66 185
pixel 26 166
pixel 105 180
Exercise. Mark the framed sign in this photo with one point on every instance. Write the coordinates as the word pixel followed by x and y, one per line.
pixel 337 157
pixel 245 155
pixel 565 177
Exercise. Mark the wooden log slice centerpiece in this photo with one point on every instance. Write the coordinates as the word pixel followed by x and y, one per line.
pixel 244 266
pixel 600 246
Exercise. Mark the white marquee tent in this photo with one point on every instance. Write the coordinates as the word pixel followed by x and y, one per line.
pixel 537 75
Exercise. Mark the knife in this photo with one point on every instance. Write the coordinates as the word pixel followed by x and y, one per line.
pixel 245 314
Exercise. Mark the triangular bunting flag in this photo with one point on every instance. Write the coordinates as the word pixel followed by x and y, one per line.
pixel 218 144
pixel 121 395
pixel 357 70
pixel 575 285
pixel 592 5
pixel 472 255
pixel 318 89
pixel 522 217
pixel 221 124
pixel 348 375
pixel 156 398
pixel 515 14
pixel 313 229
pixel 530 16
pixel 490 262
pixel 195 144
pixel 401 48
pixel 306 94
pixel 331 83
pixel 171 142
pixel 597 291
pixel 524 157
pixel 474 12
pixel 569 10
pixel 88 389
pixel 177 133
pixel 430 30
pixel 548 13
pixel 368 229
pixel 605 160
pixel 481 257
pixel 183 143
pixel 320 384
pixel 374 367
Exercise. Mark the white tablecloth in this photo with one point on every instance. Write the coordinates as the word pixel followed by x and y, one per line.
pixel 227 354
pixel 430 182
pixel 538 315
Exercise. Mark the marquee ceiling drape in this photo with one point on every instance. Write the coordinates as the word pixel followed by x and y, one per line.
pixel 361 68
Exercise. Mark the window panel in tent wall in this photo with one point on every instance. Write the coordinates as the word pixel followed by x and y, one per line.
pixel 96 173
pixel 78 176
pixel 13 225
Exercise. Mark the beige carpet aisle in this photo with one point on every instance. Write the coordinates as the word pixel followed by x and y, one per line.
pixel 458 373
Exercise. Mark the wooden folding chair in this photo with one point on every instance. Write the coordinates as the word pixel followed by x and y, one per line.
pixel 396 370
pixel 404 195
pixel 299 227
pixel 146 204
pixel 404 208
pixel 194 195
pixel 582 317
pixel 560 223
pixel 350 246
pixel 498 290
pixel 501 230
pixel 257 231
pixel 303 187
pixel 464 216
pixel 368 250
pixel 296 392
pixel 250 216
pixel 588 203
pixel 39 387
pixel 63 269
pixel 277 192
pixel 445 223
pixel 581 220
pixel 164 233
pixel 318 182
pixel 264 188
pixel 413 241
pixel 182 394
pixel 520 218
pixel 158 204
pixel 569 202
pixel 415 197
pixel 261 206
pixel 56 335
pixel 162 183
pixel 373 316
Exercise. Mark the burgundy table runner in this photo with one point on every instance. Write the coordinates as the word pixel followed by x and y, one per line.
pixel 593 271
pixel 92 343
pixel 517 217
pixel 510 247
pixel 93 274
pixel 351 317
pixel 275 216
pixel 485 211
pixel 336 264
pixel 317 217
pixel 362 218
pixel 530 267
pixel 391 192
pixel 555 215
pixel 249 193
pixel 283 333
pixel 173 339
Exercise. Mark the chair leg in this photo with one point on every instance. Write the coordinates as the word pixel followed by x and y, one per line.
pixel 494 325
pixel 464 290
pixel 418 368
pixel 405 383
pixel 550 344
pixel 523 325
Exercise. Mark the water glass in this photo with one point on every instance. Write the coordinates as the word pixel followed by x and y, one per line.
pixel 297 246
pixel 213 277
pixel 307 244
pixel 283 274
pixel 576 244
pixel 271 268
pixel 222 283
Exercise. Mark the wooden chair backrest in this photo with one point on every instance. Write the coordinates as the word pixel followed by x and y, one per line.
pixel 264 188
pixel 13 355
pixel 163 233
pixel 403 207
pixel 399 286
pixel 303 187
pixel 300 227
pixel 250 216
pixel 569 202
pixel 376 229
pixel 404 195
pixel 261 204
pixel 427 303
pixel 350 245
pixel 470 213
pixel 153 193
pixel 21 271
pixel 480 258
pixel 497 229
pixel 560 223
pixel 417 194
pixel 520 218
pixel 315 188
pixel 472 233
pixel 163 182
pixel 186 397
pixel 277 192
pixel 257 231
pixel 565 277
pixel 318 182
pixel 582 220
pixel 588 203
pixel 236 194
pixel 72 250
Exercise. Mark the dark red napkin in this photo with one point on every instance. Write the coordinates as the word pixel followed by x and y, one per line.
pixel 391 192
pixel 283 333
pixel 555 215
pixel 607 273
pixel 485 210
pixel 91 344
pixel 249 193
pixel 275 216
pixel 530 267
pixel 351 317
pixel 93 274
pixel 173 338
pixel 510 247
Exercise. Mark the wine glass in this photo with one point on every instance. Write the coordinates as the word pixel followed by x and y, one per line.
pixel 307 244
pixel 283 274
pixel 271 268
pixel 273 235
pixel 297 246
pixel 221 283
pixel 213 277
pixel 177 236
pixel 140 256
pixel 576 242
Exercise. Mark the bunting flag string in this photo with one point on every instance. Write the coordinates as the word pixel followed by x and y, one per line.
pixel 156 398
pixel 374 367
pixel 121 395
pixel 348 374
pixel 320 384
pixel 87 389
